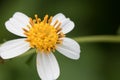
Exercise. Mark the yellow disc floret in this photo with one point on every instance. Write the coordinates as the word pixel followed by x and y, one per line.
pixel 42 35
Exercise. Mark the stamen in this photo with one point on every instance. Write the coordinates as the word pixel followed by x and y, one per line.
pixel 58 28
pixel 31 22
pixel 55 22
pixel 28 26
pixel 25 30
pixel 37 19
pixel 45 19
pixel 43 36
pixel 50 20
pixel 61 35
pixel 59 41
pixel 36 16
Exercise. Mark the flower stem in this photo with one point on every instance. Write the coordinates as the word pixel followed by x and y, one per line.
pixel 99 38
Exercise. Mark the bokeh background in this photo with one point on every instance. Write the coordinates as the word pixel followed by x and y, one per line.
pixel 99 61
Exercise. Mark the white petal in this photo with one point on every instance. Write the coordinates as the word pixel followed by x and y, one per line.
pixel 60 17
pixel 47 66
pixel 22 18
pixel 66 24
pixel 16 24
pixel 69 48
pixel 13 48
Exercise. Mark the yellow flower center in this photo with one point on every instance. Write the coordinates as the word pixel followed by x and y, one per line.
pixel 42 35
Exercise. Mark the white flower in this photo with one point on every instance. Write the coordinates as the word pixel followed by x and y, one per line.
pixel 46 36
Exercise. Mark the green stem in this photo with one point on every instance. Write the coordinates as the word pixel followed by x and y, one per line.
pixel 99 38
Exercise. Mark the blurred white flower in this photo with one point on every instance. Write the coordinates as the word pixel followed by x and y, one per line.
pixel 45 36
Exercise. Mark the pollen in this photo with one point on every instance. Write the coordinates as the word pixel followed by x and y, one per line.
pixel 42 35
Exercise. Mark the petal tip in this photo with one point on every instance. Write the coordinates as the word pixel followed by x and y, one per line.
pixel 17 13
pixel 6 23
pixel 3 56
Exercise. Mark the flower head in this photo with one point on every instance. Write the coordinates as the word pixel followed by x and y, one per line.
pixel 45 36
pixel 42 35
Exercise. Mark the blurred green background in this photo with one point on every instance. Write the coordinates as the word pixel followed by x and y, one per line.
pixel 99 61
